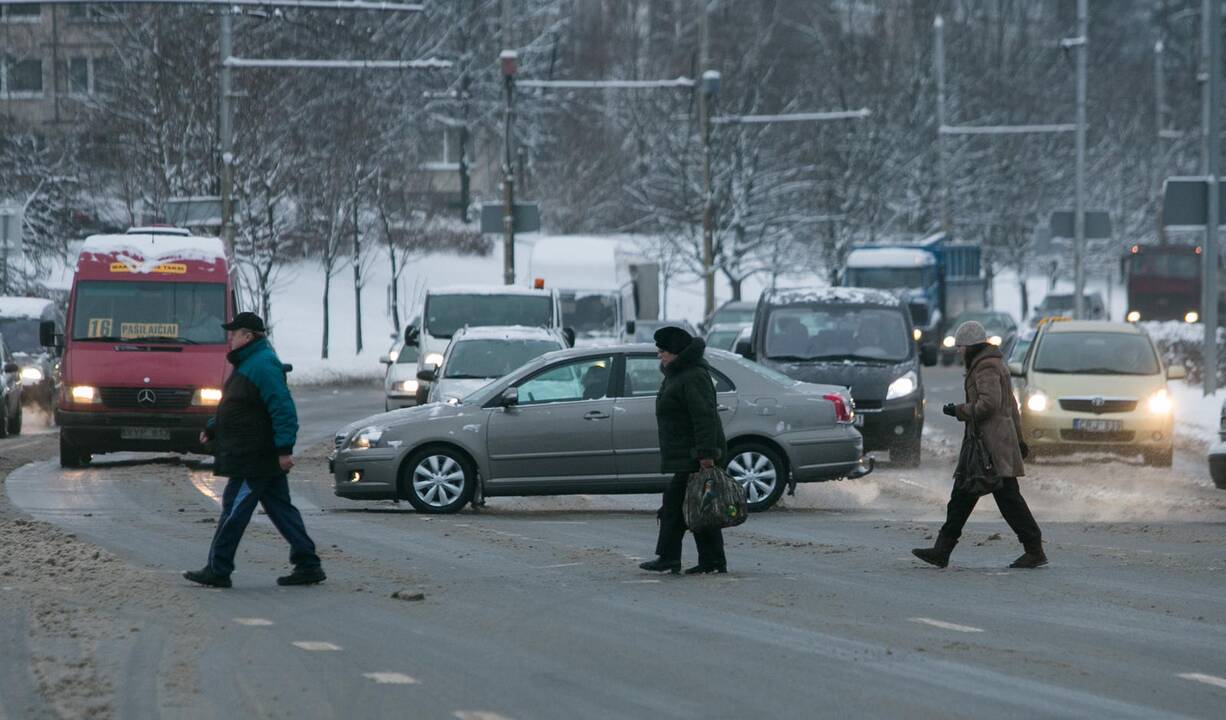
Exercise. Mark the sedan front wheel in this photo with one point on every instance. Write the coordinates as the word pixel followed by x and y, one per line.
pixel 438 480
pixel 761 472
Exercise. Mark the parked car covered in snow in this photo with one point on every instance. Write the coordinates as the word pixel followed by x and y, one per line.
pixel 20 323
pixel 481 354
pixel 583 421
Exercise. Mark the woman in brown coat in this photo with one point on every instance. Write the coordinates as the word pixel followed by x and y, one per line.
pixel 989 401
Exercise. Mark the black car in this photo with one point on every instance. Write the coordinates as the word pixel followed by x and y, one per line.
pixel 1002 332
pixel 858 338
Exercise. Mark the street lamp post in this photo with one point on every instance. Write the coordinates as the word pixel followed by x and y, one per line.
pixel 1079 212
pixel 710 89
pixel 509 60
pixel 1212 98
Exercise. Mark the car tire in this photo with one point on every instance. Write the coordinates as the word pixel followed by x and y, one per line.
pixel 1161 458
pixel 15 423
pixel 72 456
pixel 760 471
pixel 5 425
pixel 438 480
pixel 907 453
pixel 1217 471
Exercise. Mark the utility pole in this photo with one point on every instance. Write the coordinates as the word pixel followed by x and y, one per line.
pixel 706 97
pixel 509 61
pixel 1079 211
pixel 938 27
pixel 357 262
pixel 1160 126
pixel 225 46
pixel 1211 47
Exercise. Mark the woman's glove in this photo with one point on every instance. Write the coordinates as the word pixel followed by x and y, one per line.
pixel 950 409
pixel 1025 449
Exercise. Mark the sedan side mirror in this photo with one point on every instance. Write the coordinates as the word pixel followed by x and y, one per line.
pixel 11 368
pixel 1016 369
pixel 1176 372
pixel 568 334
pixel 428 374
pixel 744 348
pixel 509 397
pixel 385 359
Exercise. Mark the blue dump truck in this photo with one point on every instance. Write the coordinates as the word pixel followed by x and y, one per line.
pixel 936 278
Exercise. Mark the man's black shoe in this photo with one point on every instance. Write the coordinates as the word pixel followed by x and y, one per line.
pixel 1030 560
pixel 661 565
pixel 208 577
pixel 303 576
pixel 704 569
pixel 933 556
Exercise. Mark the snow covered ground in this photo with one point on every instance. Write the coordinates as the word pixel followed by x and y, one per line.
pixel 1196 416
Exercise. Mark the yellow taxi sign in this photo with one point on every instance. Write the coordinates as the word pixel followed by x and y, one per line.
pixel 1054 319
pixel 162 269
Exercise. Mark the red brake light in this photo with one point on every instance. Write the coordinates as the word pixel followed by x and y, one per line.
pixel 539 283
pixel 842 412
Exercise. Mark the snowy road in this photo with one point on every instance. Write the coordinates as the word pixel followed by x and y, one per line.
pixel 533 608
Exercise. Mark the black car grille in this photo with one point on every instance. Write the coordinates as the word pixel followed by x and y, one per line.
pixel 1087 405
pixel 1122 436
pixel 138 398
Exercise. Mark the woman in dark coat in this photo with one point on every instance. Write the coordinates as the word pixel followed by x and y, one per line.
pixel 989 401
pixel 691 437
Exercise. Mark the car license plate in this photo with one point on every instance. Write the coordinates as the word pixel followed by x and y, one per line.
pixel 858 420
pixel 144 433
pixel 1098 426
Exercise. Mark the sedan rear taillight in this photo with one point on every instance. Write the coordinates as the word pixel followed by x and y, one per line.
pixel 842 408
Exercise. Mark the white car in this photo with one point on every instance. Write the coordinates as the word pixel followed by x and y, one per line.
pixel 400 380
pixel 478 355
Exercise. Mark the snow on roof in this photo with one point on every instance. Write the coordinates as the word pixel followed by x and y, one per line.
pixel 484 290
pixel 145 252
pixel 23 307
pixel 855 296
pixel 506 332
pixel 889 257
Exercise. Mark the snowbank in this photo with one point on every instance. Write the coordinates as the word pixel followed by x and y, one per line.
pixel 1196 415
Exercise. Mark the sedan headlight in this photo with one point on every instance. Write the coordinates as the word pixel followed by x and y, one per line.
pixel 948 341
pixel 903 386
pixel 1037 402
pixel 409 386
pixel 434 359
pixel 917 334
pixel 85 394
pixel 1133 316
pixel 31 375
pixel 1160 403
pixel 206 397
pixel 367 438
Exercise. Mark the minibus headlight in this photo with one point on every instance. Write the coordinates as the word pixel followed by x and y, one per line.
pixel 903 386
pixel 207 397
pixel 85 394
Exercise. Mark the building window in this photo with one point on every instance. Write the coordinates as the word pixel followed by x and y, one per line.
pixel 78 76
pixel 104 75
pixel 21 78
pixel 444 154
pixel 22 13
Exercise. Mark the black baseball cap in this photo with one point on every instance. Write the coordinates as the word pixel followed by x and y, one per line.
pixel 245 321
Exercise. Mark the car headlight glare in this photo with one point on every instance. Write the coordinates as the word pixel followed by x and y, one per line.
pixel 434 359
pixel 1191 317
pixel 85 394
pixel 917 334
pixel 207 397
pixel 31 374
pixel 366 438
pixel 948 341
pixel 994 340
pixel 1133 316
pixel 409 386
pixel 1160 403
pixel 393 355
pixel 1037 402
pixel 903 386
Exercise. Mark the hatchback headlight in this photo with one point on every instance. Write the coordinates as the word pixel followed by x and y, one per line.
pixel 367 438
pixel 1160 403
pixel 1037 402
pixel 903 386
pixel 206 397
pixel 31 374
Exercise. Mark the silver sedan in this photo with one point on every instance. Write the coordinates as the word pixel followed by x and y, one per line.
pixel 582 421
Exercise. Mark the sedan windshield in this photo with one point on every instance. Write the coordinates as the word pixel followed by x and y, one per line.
pixel 995 323
pixel 1090 353
pixel 837 332
pixel 733 316
pixel 722 339
pixel 483 359
pixel 183 312
pixel 447 313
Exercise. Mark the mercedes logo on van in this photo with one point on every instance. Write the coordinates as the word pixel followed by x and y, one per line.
pixel 146 397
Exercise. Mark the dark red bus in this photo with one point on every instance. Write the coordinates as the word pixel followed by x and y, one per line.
pixel 1163 282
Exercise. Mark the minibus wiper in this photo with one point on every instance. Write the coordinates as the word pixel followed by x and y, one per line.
pixel 162 338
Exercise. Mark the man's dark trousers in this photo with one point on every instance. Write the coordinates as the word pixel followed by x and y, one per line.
pixel 672 529
pixel 238 503
pixel 1012 506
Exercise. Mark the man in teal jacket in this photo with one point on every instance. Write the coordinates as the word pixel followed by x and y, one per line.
pixel 253 434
